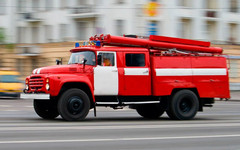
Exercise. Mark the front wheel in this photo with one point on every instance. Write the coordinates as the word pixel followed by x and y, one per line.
pixel 74 105
pixel 46 109
pixel 183 105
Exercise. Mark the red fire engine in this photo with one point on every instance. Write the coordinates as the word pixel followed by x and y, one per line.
pixel 153 75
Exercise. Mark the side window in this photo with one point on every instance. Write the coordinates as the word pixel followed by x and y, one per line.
pixel 107 59
pixel 135 60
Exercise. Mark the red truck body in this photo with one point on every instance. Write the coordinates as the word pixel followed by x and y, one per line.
pixel 152 75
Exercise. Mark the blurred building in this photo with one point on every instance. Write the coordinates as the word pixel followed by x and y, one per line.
pixel 42 30
pixel 44 21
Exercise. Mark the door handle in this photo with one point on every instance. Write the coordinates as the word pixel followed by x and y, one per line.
pixel 146 71
pixel 115 70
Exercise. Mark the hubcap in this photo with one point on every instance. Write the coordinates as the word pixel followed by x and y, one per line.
pixel 185 105
pixel 75 105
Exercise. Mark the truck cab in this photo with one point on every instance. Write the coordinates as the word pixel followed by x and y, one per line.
pixel 122 71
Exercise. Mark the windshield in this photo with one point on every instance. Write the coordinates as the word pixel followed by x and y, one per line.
pixel 78 57
pixel 9 79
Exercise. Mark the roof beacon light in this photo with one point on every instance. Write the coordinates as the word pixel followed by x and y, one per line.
pixel 76 45
pixel 98 44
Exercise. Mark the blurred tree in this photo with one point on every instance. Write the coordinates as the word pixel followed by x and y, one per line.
pixel 2 36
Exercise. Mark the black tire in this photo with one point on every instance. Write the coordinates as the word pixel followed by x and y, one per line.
pixel 150 111
pixel 74 105
pixel 183 105
pixel 46 109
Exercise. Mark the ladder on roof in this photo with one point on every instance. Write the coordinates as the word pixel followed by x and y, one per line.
pixel 159 42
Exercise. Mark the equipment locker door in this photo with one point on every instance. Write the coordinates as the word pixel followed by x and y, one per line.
pixel 106 75
pixel 137 75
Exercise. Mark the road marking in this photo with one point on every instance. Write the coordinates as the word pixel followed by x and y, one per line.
pixel 119 139
pixel 56 123
pixel 6 106
pixel 12 110
pixel 28 106
pixel 10 106
pixel 115 127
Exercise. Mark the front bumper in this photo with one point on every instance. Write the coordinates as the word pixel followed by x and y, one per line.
pixel 35 96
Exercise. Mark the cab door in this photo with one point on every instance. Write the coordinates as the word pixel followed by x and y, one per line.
pixel 106 75
pixel 137 74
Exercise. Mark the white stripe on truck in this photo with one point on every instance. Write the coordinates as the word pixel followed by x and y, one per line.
pixel 136 71
pixel 190 72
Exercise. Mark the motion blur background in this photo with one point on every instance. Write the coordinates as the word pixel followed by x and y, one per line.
pixel 34 33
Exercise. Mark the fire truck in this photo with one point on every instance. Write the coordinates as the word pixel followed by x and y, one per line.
pixel 152 75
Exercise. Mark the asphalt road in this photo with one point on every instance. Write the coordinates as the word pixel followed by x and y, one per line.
pixel 216 128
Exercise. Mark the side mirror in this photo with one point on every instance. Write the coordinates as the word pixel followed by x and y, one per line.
pixel 84 62
pixel 99 59
pixel 59 62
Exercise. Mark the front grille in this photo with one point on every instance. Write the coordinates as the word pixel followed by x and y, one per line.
pixel 36 83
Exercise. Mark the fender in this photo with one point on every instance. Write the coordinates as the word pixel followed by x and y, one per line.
pixel 60 80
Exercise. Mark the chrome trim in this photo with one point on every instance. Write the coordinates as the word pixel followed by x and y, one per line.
pixel 107 103
pixel 144 102
pixel 127 103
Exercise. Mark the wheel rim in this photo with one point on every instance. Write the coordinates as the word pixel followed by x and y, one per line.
pixel 75 105
pixel 185 105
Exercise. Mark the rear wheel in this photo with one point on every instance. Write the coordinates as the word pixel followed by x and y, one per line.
pixel 47 109
pixel 74 105
pixel 150 111
pixel 183 105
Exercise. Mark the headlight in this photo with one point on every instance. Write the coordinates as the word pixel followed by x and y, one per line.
pixel 26 84
pixel 47 86
pixel 26 87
